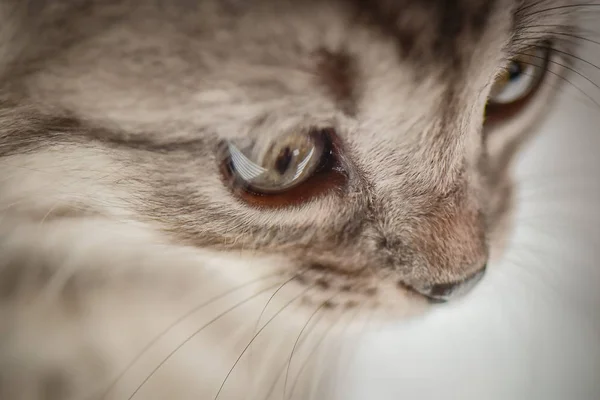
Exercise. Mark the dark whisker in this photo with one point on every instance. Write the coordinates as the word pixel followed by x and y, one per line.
pixel 257 334
pixel 567 34
pixel 173 324
pixel 555 50
pixel 272 297
pixel 551 29
pixel 565 67
pixel 528 6
pixel 523 8
pixel 556 8
pixel 282 368
pixel 316 347
pixel 576 58
pixel 568 81
pixel 221 315
pixel 554 86
pixel 287 373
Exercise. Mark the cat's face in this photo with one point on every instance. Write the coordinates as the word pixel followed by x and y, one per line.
pixel 347 140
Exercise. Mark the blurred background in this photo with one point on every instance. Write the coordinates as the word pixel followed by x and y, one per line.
pixel 531 330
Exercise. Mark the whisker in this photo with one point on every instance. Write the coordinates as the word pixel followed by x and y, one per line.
pixel 558 87
pixel 528 6
pixel 257 334
pixel 563 7
pixel 173 324
pixel 559 76
pixel 564 53
pixel 317 346
pixel 54 207
pixel 560 28
pixel 287 373
pixel 286 362
pixel 267 304
pixel 194 334
pixel 566 34
pixel 563 66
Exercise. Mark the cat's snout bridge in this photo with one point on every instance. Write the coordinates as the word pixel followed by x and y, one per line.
pixel 442 292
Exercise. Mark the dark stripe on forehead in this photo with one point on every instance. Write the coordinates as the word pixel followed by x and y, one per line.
pixel 338 73
pixel 29 131
pixel 429 31
pixel 457 16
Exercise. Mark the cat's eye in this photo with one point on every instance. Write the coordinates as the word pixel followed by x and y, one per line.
pixel 518 82
pixel 278 165
pixel 279 168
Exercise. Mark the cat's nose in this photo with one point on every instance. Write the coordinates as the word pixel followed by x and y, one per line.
pixel 442 292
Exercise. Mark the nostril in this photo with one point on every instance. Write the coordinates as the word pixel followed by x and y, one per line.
pixel 442 292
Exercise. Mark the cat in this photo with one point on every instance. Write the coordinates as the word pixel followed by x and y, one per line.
pixel 194 194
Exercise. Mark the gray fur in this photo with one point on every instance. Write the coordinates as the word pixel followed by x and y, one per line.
pixel 125 103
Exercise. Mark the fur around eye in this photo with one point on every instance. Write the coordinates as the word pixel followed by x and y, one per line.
pixel 517 83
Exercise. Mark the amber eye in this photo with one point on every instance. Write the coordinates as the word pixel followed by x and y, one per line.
pixel 275 165
pixel 517 83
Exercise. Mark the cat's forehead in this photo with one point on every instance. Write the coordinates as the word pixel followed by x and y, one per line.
pixel 227 45
pixel 437 31
pixel 167 60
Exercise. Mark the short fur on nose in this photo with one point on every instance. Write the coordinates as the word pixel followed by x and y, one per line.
pixel 442 292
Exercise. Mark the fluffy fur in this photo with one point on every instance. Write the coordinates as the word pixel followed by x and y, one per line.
pixel 120 242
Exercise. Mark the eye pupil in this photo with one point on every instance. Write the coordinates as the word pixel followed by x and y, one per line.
pixel 515 70
pixel 283 160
